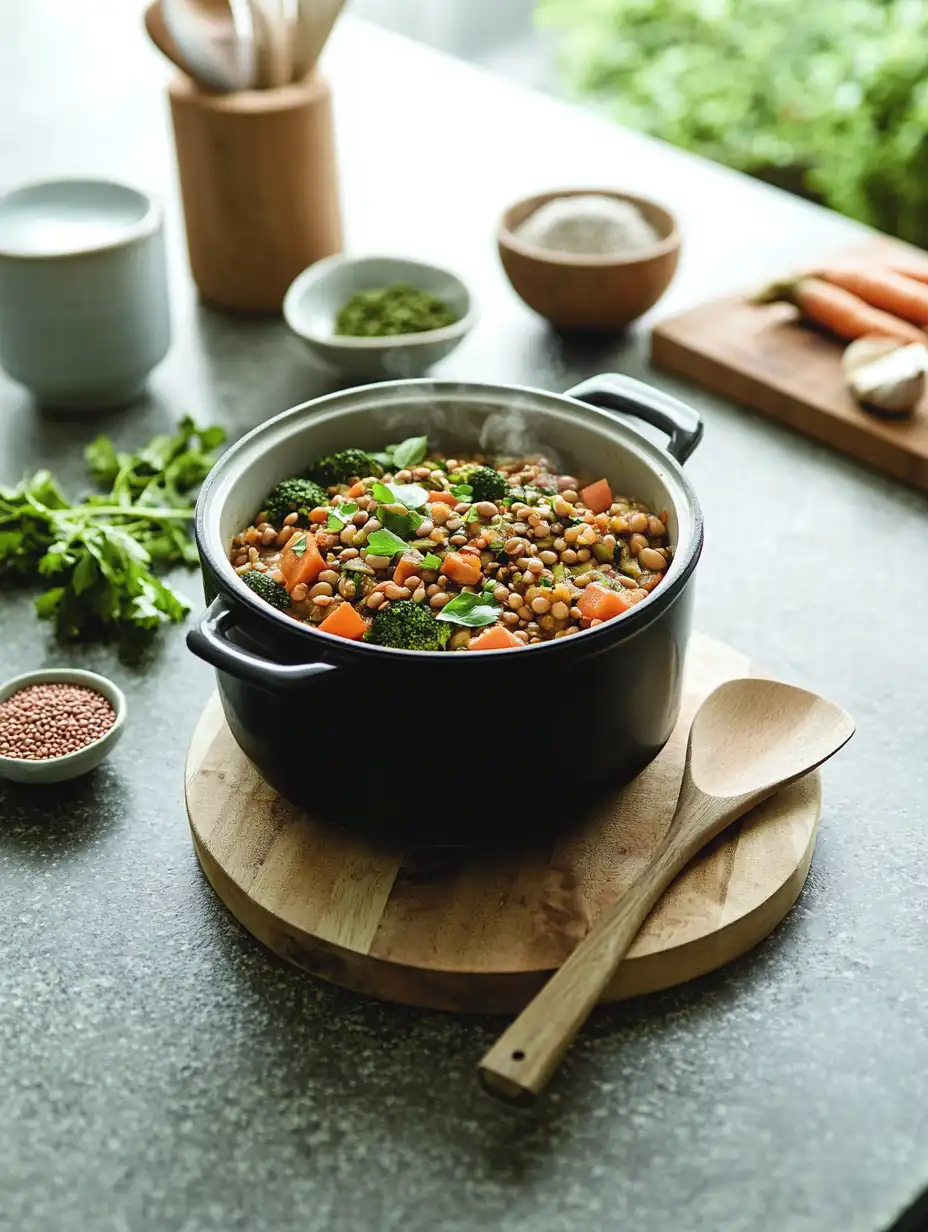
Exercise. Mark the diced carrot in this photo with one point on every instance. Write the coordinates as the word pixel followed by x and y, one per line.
pixel 345 621
pixel 597 496
pixel 301 561
pixel 448 498
pixel 406 566
pixel 462 569
pixel 357 489
pixel 319 515
pixel 497 637
pixel 599 603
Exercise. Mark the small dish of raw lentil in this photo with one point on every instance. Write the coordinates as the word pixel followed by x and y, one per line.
pixel 57 724
pixel 418 551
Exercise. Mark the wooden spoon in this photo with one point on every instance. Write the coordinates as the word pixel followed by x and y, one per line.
pixel 316 19
pixel 161 37
pixel 748 739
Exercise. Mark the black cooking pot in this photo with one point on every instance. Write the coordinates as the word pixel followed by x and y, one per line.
pixel 453 746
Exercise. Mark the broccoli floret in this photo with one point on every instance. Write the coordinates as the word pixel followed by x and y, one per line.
pixel 340 467
pixel 294 496
pixel 405 625
pixel 487 484
pixel 270 591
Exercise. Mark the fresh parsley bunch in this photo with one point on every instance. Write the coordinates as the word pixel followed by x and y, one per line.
pixel 99 555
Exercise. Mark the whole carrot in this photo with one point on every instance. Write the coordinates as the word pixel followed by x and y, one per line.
pixel 918 273
pixel 883 288
pixel 839 311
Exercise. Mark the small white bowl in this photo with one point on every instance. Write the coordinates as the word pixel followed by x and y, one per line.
pixel 316 296
pixel 71 765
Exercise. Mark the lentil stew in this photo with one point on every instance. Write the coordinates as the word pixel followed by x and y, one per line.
pixel 415 550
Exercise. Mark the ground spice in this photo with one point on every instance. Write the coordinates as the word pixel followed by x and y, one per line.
pixel 590 224
pixel 50 720
pixel 385 311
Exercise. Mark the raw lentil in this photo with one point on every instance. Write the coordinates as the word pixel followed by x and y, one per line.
pixel 51 720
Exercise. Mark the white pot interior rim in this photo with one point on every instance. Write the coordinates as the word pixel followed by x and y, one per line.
pixel 580 436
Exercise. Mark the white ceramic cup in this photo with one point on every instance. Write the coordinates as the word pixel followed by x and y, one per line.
pixel 83 291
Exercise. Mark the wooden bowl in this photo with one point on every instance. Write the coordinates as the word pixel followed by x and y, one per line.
pixel 589 292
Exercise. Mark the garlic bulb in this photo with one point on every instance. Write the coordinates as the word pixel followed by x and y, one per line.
pixel 886 374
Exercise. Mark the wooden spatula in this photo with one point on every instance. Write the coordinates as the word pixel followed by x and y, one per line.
pixel 748 739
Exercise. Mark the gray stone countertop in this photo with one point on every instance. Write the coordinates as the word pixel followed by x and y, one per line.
pixel 158 1069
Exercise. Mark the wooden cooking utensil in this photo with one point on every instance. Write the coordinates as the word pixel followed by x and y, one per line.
pixel 161 37
pixel 749 738
pixel 275 51
pixel 316 19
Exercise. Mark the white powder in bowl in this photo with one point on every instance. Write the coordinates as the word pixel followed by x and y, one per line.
pixel 590 225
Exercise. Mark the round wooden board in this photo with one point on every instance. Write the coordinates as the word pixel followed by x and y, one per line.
pixel 479 931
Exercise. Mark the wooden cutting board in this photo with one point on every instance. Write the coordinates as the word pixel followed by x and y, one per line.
pixel 480 931
pixel 763 358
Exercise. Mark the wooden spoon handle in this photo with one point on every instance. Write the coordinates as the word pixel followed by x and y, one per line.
pixel 522 1061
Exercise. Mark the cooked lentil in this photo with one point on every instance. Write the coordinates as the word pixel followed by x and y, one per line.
pixel 547 563
pixel 50 720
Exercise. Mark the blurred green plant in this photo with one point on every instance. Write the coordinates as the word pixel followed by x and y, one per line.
pixel 828 99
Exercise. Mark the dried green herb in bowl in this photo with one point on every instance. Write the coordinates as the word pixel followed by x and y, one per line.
pixel 382 312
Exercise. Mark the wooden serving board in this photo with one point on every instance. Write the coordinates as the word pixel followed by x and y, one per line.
pixel 760 356
pixel 480 931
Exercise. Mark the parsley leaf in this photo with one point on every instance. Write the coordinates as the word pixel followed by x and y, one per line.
pixel 340 515
pixel 384 543
pixel 471 610
pixel 99 555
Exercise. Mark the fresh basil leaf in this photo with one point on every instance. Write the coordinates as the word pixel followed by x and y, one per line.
pixel 470 610
pixel 410 452
pixel 430 560
pixel 463 491
pixel 299 548
pixel 385 457
pixel 383 542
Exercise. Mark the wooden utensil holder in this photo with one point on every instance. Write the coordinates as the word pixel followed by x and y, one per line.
pixel 259 184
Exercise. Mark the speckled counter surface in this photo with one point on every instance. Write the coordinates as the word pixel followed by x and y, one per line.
pixel 158 1070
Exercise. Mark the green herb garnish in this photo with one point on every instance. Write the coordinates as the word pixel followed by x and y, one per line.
pixel 463 491
pixel 430 560
pixel 472 515
pixel 387 311
pixel 340 515
pixel 409 494
pixel 409 452
pixel 471 610
pixel 383 542
pixel 99 554
pixel 299 548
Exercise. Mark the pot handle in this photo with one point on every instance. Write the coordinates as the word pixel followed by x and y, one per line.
pixel 207 640
pixel 613 392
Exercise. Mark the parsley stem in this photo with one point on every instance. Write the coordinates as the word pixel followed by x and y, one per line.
pixel 151 514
